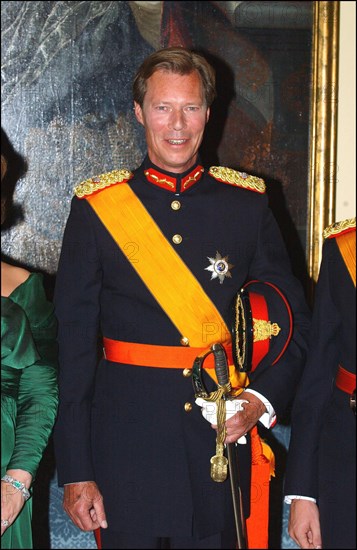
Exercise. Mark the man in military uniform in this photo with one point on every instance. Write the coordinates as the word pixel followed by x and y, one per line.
pixel 151 261
pixel 321 469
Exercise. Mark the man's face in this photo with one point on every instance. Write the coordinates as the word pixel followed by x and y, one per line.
pixel 174 115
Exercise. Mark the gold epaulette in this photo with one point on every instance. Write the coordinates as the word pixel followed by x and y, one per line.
pixel 336 228
pixel 102 181
pixel 240 179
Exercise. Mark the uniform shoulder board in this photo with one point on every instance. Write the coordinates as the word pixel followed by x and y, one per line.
pixel 337 228
pixel 239 179
pixel 97 183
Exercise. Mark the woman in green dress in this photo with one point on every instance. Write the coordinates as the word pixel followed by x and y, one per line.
pixel 29 393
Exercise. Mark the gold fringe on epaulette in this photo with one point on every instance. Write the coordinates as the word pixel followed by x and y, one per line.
pixel 240 179
pixel 96 183
pixel 338 227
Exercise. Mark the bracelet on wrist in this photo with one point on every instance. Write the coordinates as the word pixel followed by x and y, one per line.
pixel 18 485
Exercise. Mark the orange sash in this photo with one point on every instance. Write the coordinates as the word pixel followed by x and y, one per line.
pixel 152 256
pixel 187 305
pixel 347 245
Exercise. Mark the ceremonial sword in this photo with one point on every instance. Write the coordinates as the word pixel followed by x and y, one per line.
pixel 222 373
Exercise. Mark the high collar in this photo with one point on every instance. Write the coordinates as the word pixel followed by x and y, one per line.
pixel 176 183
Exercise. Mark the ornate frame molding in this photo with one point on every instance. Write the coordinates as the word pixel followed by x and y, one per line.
pixel 323 129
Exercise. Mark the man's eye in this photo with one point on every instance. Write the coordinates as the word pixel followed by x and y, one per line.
pixel 162 108
pixel 192 108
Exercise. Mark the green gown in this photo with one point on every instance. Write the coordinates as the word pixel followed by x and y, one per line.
pixel 29 393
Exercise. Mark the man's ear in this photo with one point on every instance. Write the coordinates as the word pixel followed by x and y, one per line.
pixel 138 113
pixel 208 114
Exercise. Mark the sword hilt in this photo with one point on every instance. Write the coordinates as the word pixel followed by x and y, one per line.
pixel 221 366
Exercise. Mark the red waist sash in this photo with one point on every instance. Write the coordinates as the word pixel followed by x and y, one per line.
pixel 345 380
pixel 148 355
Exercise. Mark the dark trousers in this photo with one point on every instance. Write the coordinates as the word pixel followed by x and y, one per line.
pixel 113 539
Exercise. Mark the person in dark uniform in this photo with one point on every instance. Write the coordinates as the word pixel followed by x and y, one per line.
pixel 150 263
pixel 321 467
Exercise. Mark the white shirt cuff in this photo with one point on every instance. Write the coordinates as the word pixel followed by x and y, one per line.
pixel 289 498
pixel 268 419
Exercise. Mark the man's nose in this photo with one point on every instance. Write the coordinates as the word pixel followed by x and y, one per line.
pixel 177 119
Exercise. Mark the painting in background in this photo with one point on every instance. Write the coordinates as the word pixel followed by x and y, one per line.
pixel 67 69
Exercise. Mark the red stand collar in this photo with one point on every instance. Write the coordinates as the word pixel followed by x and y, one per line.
pixel 174 184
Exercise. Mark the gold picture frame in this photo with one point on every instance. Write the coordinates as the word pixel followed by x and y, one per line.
pixel 323 129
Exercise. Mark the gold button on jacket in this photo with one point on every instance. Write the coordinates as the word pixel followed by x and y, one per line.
pixel 177 239
pixel 175 205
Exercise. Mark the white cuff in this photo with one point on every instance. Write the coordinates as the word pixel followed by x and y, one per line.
pixel 268 419
pixel 289 498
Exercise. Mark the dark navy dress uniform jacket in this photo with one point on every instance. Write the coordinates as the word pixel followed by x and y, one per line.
pixel 125 426
pixel 322 454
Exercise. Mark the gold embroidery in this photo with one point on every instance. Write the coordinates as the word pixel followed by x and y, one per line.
pixel 240 179
pixel 338 227
pixel 262 330
pixel 157 180
pixel 240 329
pixel 193 178
pixel 96 183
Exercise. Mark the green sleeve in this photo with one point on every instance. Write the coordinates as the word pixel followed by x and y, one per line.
pixel 38 390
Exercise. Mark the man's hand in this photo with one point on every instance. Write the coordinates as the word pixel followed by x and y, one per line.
pixel 209 412
pixel 83 503
pixel 244 420
pixel 304 524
